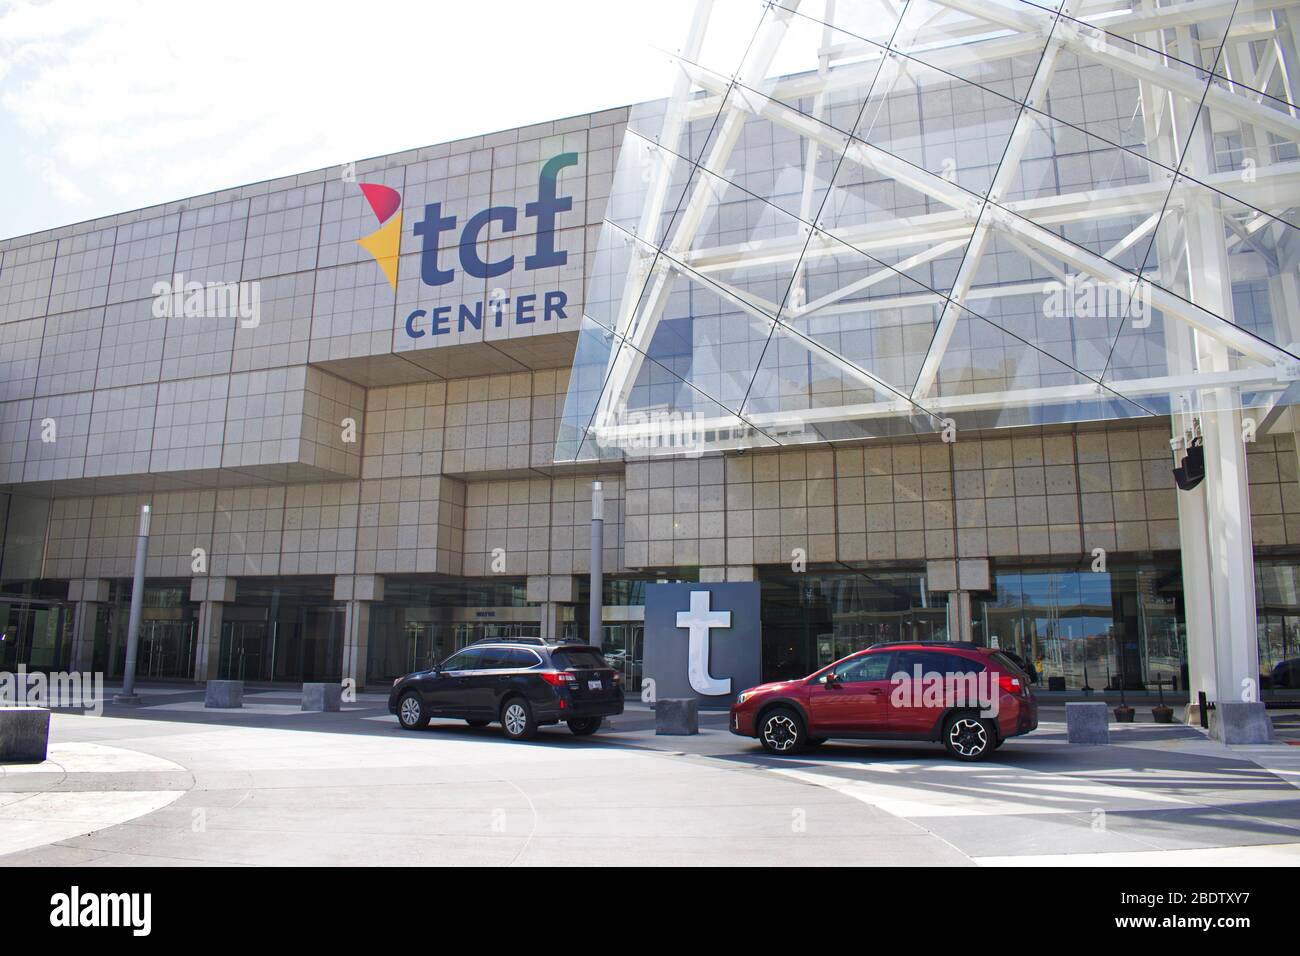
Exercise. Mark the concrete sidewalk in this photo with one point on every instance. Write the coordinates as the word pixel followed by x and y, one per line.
pixel 169 782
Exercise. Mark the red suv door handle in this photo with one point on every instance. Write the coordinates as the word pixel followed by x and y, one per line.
pixel 876 691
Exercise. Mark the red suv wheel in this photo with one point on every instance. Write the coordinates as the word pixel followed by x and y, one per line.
pixel 781 731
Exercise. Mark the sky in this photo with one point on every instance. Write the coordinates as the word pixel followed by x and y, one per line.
pixel 112 105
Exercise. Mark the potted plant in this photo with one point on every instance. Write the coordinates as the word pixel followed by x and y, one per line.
pixel 1123 713
pixel 1160 713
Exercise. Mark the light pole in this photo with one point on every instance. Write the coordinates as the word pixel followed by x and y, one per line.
pixel 596 636
pixel 128 695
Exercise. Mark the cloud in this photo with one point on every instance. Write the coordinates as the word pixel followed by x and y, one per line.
pixel 133 102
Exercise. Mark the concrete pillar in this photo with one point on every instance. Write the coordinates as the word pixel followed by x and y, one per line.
pixel 1214 519
pixel 958 578
pixel 86 596
pixel 212 594
pixel 552 591
pixel 356 641
pixel 1227 493
pixel 551 621
pixel 357 592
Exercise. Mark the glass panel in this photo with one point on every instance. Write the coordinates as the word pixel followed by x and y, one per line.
pixel 869 218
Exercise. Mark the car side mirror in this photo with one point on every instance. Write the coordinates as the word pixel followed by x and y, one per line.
pixel 830 681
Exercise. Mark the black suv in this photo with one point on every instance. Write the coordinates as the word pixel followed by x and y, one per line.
pixel 523 684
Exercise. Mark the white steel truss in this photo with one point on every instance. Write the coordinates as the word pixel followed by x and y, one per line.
pixel 1211 77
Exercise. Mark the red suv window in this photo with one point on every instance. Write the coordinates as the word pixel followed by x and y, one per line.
pixel 864 668
pixel 937 662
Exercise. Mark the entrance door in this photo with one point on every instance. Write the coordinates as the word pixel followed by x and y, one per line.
pixel 623 649
pixel 309 646
pixel 425 645
pixel 167 649
pixel 33 635
pixel 246 651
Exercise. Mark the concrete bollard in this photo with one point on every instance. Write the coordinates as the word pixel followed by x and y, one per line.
pixel 677 716
pixel 24 734
pixel 1086 723
pixel 224 694
pixel 322 697
pixel 1241 722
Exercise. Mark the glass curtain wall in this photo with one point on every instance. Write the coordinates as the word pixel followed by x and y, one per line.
pixel 1092 630
pixel 168 620
pixel 422 621
pixel 35 633
pixel 282 630
pixel 815 618
pixel 1277 597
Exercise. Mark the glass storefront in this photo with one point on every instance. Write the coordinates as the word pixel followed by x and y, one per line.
pixel 168 620
pixel 1082 630
pixel 1090 630
pixel 1277 600
pixel 36 634
pixel 814 618
pixel 424 620
pixel 283 629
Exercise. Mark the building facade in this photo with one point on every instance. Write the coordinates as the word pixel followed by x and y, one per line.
pixel 899 324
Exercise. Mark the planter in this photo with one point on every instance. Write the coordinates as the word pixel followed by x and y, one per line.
pixel 1124 715
pixel 1162 714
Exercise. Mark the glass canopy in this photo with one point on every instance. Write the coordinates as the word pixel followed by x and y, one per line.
pixel 861 218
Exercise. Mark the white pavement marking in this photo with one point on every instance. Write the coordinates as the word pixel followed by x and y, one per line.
pixel 32 819
pixel 1038 794
pixel 92 758
pixel 1278 854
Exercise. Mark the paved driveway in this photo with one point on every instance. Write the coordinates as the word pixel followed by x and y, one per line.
pixel 173 783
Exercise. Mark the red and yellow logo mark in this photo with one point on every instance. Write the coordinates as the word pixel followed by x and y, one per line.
pixel 385 243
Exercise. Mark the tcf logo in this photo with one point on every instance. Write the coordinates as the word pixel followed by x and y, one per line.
pixel 383 246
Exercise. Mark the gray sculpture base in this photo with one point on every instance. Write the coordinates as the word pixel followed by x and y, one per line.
pixel 1087 723
pixel 1241 722
pixel 24 734
pixel 224 694
pixel 677 716
pixel 322 697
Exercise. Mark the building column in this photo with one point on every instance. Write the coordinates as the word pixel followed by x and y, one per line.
pixel 1227 497
pixel 958 577
pixel 552 591
pixel 1214 518
pixel 212 594
pixel 86 596
pixel 357 592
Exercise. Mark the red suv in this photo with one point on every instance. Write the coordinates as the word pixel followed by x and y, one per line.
pixel 969 697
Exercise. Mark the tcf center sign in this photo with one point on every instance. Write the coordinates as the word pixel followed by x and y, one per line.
pixel 525 308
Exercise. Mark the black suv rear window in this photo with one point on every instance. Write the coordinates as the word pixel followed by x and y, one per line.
pixel 577 657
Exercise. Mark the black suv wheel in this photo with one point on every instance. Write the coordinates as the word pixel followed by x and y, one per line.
pixel 410 712
pixel 517 719
pixel 585 726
